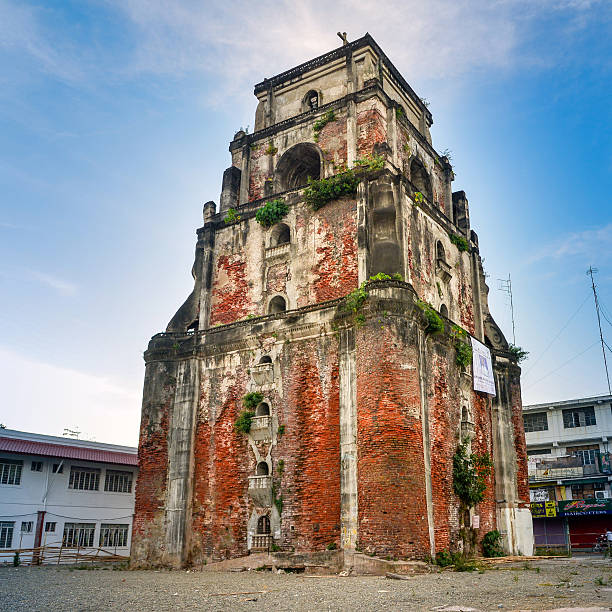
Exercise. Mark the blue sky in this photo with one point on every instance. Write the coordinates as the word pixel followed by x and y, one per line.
pixel 115 118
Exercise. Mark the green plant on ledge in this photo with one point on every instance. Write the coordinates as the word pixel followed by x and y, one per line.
pixel 252 400
pixel 281 430
pixel 370 162
pixel 354 301
pixel 271 212
pixel 231 216
pixel 243 423
pixel 320 192
pixel 271 149
pixel 418 198
pixel 460 242
pixel 517 352
pixel 319 124
pixel 435 324
pixel 280 467
pixel 399 112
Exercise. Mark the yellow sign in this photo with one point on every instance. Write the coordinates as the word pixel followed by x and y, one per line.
pixel 551 508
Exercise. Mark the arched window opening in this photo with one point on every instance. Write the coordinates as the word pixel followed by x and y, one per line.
pixel 297 165
pixel 444 310
pixel 262 410
pixel 277 304
pixel 465 414
pixel 420 179
pixel 441 255
pixel 281 234
pixel 266 359
pixel 263 525
pixel 311 100
pixel 262 469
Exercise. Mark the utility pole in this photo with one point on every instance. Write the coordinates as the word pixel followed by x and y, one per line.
pixel 506 287
pixel 590 273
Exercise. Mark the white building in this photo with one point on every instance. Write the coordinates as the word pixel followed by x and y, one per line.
pixel 68 493
pixel 570 471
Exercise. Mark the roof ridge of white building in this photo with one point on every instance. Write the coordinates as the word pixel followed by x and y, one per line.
pixel 62 441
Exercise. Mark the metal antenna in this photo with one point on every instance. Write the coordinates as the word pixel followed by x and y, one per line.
pixel 506 287
pixel 590 273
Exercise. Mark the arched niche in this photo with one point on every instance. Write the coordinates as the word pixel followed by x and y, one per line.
pixel 262 469
pixel 444 310
pixel 263 525
pixel 311 101
pixel 300 163
pixel 265 359
pixel 280 234
pixel 420 179
pixel 277 304
pixel 262 410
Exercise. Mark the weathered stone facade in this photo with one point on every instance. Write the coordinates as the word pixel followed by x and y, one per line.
pixel 353 441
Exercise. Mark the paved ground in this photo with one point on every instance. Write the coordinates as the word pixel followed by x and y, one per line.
pixel 541 585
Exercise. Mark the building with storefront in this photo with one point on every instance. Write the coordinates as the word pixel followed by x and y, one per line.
pixel 67 493
pixel 569 470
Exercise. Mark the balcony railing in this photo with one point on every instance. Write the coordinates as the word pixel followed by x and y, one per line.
pixel 260 422
pixel 261 542
pixel 260 490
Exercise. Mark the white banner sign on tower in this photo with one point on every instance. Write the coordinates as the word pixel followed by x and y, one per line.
pixel 482 367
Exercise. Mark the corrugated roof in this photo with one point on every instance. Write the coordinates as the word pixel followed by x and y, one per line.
pixel 45 449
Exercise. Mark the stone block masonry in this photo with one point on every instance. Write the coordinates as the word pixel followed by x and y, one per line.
pixel 358 405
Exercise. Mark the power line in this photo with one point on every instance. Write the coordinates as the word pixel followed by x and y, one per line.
pixel 588 348
pixel 590 272
pixel 533 365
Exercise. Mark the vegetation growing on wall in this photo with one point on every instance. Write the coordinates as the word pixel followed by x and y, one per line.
pixel 491 544
pixel 252 400
pixel 271 212
pixel 319 124
pixel 370 162
pixel 418 198
pixel 470 472
pixel 271 149
pixel 463 357
pixel 460 242
pixel 518 353
pixel 354 301
pixel 435 324
pixel 320 192
pixel 231 216
pixel 243 423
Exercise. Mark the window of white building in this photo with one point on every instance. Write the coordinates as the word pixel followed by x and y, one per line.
pixel 588 453
pixel 10 471
pixel 37 466
pixel 118 482
pixel 535 422
pixel 84 479
pixel 113 535
pixel 579 417
pixel 78 535
pixel 27 526
pixel 6 533
pixel 50 526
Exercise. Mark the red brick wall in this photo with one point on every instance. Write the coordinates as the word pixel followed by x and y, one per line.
pixel 371 129
pixel 150 490
pixel 335 265
pixel 230 292
pixel 391 480
pixel 223 462
pixel 444 418
pixel 310 446
pixel 522 479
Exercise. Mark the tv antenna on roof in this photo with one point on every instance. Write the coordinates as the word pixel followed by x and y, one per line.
pixel 590 273
pixel 505 285
pixel 71 433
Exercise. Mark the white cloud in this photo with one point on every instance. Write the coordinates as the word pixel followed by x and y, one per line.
pixel 61 286
pixel 592 243
pixel 44 398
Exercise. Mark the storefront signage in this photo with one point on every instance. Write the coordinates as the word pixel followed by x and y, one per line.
pixel 585 507
pixel 543 509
